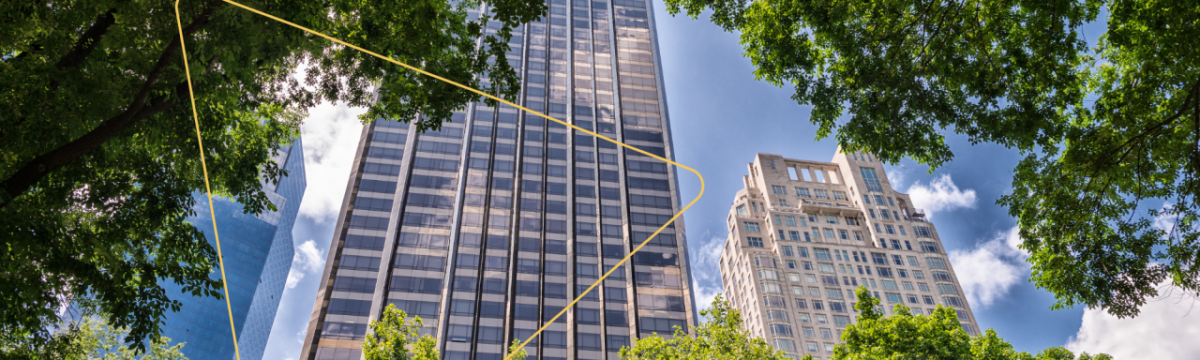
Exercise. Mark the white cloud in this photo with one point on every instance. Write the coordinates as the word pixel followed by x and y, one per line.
pixel 331 135
pixel 1166 329
pixel 1166 220
pixel 310 257
pixel 704 295
pixel 1012 238
pixel 307 260
pixel 941 194
pixel 294 278
pixel 706 273
pixel 895 176
pixel 989 270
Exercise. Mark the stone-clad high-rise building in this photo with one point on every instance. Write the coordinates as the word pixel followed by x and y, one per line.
pixel 803 235
pixel 490 226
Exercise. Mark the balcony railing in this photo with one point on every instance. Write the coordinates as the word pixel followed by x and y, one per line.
pixel 914 214
pixel 827 204
pixel 829 208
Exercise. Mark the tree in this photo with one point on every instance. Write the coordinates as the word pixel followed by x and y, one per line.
pixel 721 337
pixel 89 339
pixel 98 152
pixel 1108 132
pixel 934 336
pixel 394 337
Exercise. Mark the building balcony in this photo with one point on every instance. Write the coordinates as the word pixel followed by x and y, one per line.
pixel 913 214
pixel 828 208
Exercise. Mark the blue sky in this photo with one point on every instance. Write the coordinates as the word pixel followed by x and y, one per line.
pixel 721 117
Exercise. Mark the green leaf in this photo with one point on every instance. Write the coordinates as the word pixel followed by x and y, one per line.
pixel 1110 132
pixel 106 217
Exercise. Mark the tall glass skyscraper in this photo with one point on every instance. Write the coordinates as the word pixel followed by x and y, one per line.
pixel 489 227
pixel 258 253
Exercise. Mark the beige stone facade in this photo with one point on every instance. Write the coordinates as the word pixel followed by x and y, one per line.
pixel 803 235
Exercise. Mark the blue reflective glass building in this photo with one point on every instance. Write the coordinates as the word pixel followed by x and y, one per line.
pixel 258 253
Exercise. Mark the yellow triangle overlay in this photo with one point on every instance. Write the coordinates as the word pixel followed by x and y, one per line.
pixel 506 102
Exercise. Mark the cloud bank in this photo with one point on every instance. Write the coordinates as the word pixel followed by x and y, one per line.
pixel 895 176
pixel 989 270
pixel 1167 329
pixel 307 261
pixel 331 135
pixel 706 272
pixel 940 195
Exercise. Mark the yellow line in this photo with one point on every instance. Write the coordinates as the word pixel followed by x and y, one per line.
pixel 586 131
pixel 207 188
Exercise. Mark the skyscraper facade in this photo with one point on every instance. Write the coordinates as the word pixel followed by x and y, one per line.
pixel 803 235
pixel 489 227
pixel 258 252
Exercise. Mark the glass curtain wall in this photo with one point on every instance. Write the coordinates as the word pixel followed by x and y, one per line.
pixel 489 227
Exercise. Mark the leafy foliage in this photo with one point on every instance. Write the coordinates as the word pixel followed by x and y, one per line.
pixel 98 155
pixel 872 336
pixel 89 339
pixel 721 337
pixel 394 337
pixel 935 336
pixel 1109 132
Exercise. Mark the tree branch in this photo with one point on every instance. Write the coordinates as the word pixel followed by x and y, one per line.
pixel 1097 165
pixel 920 17
pixel 86 43
pixel 1182 109
pixel 33 49
pixel 936 33
pixel 33 171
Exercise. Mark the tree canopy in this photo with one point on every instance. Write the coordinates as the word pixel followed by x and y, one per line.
pixel 720 337
pixel 935 336
pixel 88 339
pixel 900 336
pixel 395 337
pixel 1108 132
pixel 98 155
